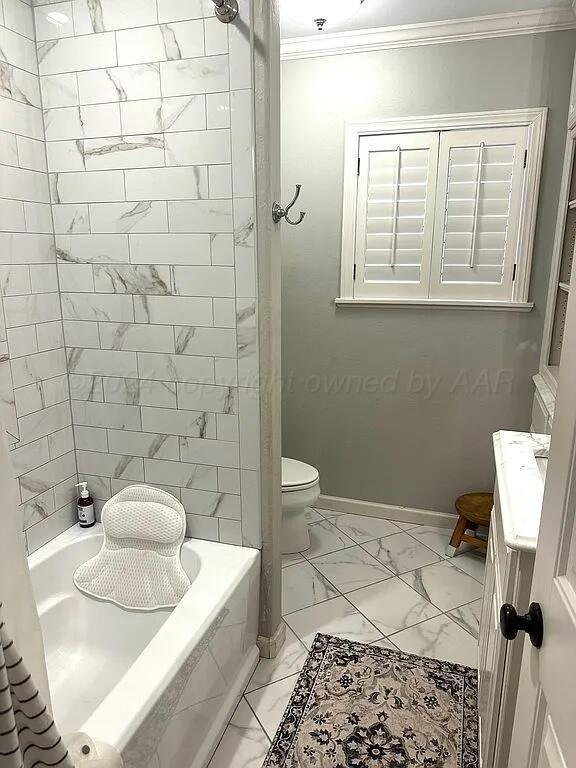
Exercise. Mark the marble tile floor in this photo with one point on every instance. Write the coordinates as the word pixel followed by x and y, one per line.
pixel 370 580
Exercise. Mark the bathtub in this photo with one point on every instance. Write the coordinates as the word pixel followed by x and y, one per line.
pixel 160 687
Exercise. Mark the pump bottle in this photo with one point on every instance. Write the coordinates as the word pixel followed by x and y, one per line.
pixel 86 516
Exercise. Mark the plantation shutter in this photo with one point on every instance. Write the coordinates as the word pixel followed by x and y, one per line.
pixel 395 214
pixel 479 204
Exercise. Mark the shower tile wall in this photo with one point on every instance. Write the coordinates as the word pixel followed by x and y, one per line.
pixel 37 408
pixel 147 112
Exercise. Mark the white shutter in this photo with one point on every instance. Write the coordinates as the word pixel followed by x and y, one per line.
pixel 395 214
pixel 479 205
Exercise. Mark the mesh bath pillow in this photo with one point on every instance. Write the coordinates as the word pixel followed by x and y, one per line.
pixel 139 565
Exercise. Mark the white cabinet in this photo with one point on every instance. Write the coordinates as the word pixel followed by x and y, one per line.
pixel 509 569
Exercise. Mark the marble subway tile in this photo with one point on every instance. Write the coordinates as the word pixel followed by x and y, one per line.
pixel 84 122
pixel 205 341
pixel 228 480
pixel 111 307
pixel 26 248
pixel 81 333
pixel 240 51
pixel 181 40
pixel 64 156
pixel 139 217
pixel 21 118
pixel 31 154
pixel 204 281
pixel 170 248
pixel 40 395
pixel 188 183
pixel 18 85
pixel 107 15
pixel 71 219
pixel 60 91
pixel 54 21
pixel 205 397
pixel 44 478
pixel 18 17
pixel 212 216
pixel 38 508
pixel 93 187
pixel 100 487
pixel 30 456
pixel 19 51
pixel 22 341
pixel 192 76
pixel 30 186
pixel 91 439
pixel 184 423
pixel 216 37
pixel 173 310
pixel 182 475
pixel 200 527
pixel 124 152
pixel 211 504
pixel 136 337
pixel 150 446
pixel 111 465
pixel 25 310
pixel 218 110
pixel 182 10
pixel 38 218
pixel 179 113
pixel 176 368
pixel 50 335
pixel 92 249
pixel 86 387
pixel 34 368
pixel 15 280
pixel 44 278
pixel 102 362
pixel 50 419
pixel 214 452
pixel 102 86
pixel 198 148
pixel 76 278
pixel 46 530
pixel 161 394
pixel 109 415
pixel 224 313
pixel 61 442
pixel 147 280
pixel 12 216
pixel 75 54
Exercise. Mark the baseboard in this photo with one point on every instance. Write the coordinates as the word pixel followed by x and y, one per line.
pixel 270 647
pixel 386 511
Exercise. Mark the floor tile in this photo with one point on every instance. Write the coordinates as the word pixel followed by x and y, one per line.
pixel 439 638
pixel 270 702
pixel 335 617
pixel 392 605
pixel 303 585
pixel 401 552
pixel 468 617
pixel 405 526
pixel 289 661
pixel 312 516
pixel 435 538
pixel 327 513
pixel 444 585
pixel 362 528
pixel 351 568
pixel 385 643
pixel 244 744
pixel 324 538
pixel 292 559
pixel 473 563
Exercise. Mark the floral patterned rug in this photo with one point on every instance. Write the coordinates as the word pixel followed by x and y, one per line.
pixel 360 706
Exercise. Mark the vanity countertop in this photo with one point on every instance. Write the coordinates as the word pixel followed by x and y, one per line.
pixel 520 485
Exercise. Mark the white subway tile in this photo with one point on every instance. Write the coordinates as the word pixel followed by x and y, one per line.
pixel 213 216
pixel 22 342
pixel 93 187
pixel 132 279
pixel 54 21
pixel 76 278
pixel 199 527
pixel 230 532
pixel 31 154
pixel 34 368
pixel 108 15
pixel 172 42
pixel 42 479
pixel 110 465
pixel 129 217
pixel 228 480
pixel 18 17
pixel 80 306
pixel 198 147
pixel 91 439
pixel 15 280
pixel 86 388
pixel 214 452
pixel 101 86
pixel 218 110
pixel 204 281
pixel 220 182
pixel 181 10
pixel 12 216
pixel 216 35
pixel 92 249
pixel 224 313
pixel 38 218
pixel 205 341
pixel 222 247
pixel 174 422
pixel 25 310
pixel 240 50
pixel 91 414
pixel 124 152
pixel 176 368
pixel 70 219
pixel 170 248
pixel 74 54
pixel 157 446
pixel 211 504
pixel 61 442
pixel 137 337
pixel 18 50
pixel 181 113
pixel 30 456
pixel 46 530
pixel 227 427
pixel 44 422
pixel 26 248
pixel 181 475
pixel 60 90
pixel 201 75
pixel 190 183
pixel 36 509
pixel 91 121
pixel 81 333
pixel 44 278
pixel 102 362
pixel 173 310
pixel 205 397
pixel 65 156
pixel 161 394
pixel 25 185
pixel 50 335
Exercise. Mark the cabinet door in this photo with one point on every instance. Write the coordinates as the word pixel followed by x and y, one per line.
pixel 492 656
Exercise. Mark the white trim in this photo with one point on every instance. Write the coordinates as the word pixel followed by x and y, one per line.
pixel 535 120
pixel 430 33
pixel 514 306
pixel 387 511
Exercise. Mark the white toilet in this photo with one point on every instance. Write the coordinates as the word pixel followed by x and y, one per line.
pixel 300 490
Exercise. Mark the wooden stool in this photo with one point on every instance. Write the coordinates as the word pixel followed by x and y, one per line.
pixel 474 509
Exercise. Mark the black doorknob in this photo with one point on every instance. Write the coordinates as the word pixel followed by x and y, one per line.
pixel 531 623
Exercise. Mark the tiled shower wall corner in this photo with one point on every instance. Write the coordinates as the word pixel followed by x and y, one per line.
pixel 148 122
pixel 43 457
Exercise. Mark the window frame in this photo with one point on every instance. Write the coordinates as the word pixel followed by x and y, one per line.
pixel 533 119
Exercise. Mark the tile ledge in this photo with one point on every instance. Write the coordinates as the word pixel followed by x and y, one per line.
pixel 508 306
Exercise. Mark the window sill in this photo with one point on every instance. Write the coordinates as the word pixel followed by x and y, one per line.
pixel 506 306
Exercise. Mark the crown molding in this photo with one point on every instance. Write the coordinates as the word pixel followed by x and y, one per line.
pixel 431 33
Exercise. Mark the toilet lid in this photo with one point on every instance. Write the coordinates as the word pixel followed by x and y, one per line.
pixel 296 474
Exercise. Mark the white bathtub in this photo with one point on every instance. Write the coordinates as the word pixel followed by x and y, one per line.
pixel 161 686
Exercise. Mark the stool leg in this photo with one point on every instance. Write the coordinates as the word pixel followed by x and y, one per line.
pixel 456 539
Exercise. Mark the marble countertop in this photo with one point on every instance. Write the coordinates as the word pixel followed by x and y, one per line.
pixel 520 457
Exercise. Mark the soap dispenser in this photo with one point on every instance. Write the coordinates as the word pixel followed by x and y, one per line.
pixel 86 516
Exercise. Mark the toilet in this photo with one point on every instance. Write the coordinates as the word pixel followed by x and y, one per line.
pixel 300 490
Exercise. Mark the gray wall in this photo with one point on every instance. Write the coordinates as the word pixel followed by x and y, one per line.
pixel 406 446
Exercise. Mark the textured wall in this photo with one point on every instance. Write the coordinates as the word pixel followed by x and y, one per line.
pixel 148 115
pixel 398 405
pixel 43 458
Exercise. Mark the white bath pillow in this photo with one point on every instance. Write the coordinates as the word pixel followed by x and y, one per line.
pixel 139 565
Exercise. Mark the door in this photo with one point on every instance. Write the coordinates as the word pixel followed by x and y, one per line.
pixel 545 725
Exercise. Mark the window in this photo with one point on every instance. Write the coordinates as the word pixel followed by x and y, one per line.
pixel 443 215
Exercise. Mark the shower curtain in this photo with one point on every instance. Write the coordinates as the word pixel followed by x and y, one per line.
pixel 24 711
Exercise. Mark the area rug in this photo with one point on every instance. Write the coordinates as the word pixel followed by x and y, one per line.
pixel 360 706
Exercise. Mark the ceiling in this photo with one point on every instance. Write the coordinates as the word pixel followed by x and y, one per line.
pixel 388 13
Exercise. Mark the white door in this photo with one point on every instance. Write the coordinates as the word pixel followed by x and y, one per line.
pixel 545 725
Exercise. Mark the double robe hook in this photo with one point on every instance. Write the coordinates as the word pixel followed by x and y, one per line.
pixel 279 213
